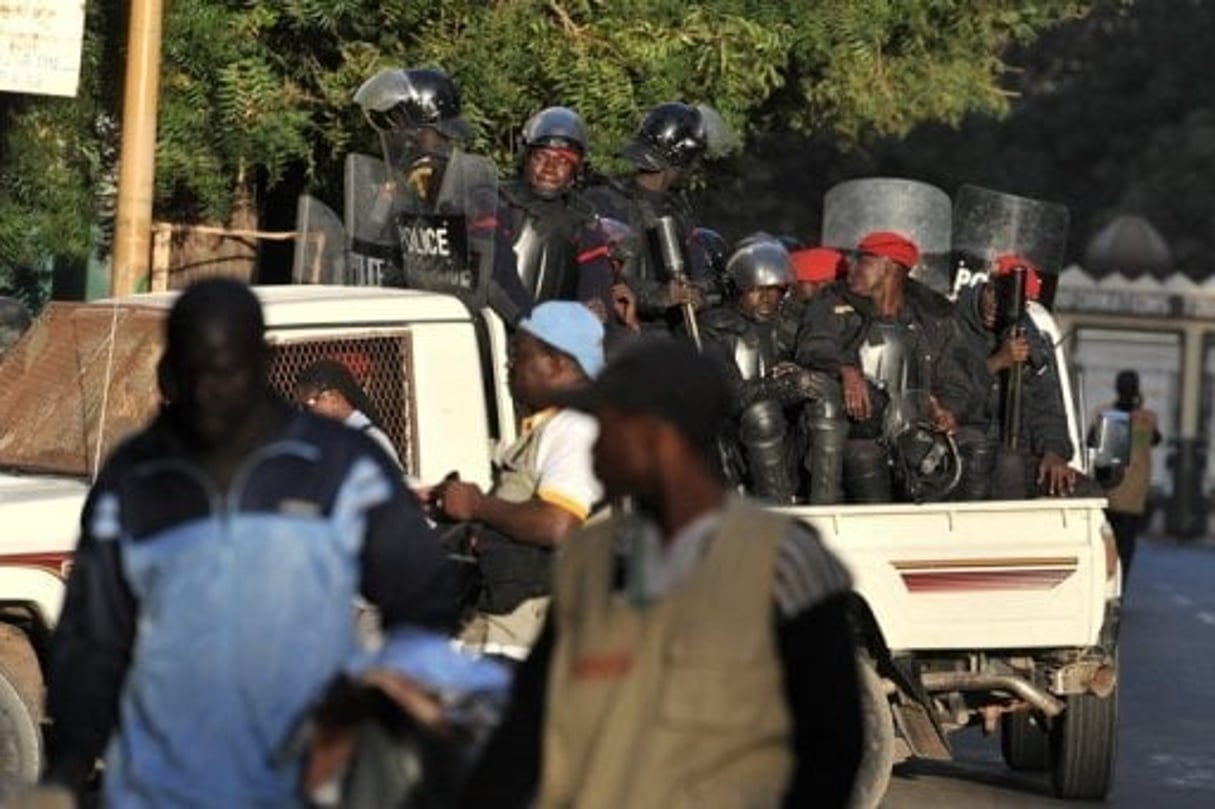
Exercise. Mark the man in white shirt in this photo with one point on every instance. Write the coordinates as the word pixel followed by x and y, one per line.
pixel 545 486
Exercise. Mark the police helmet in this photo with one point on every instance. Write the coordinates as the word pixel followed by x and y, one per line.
pixel 416 98
pixel 759 262
pixel 713 247
pixel 672 135
pixel 558 127
pixel 928 467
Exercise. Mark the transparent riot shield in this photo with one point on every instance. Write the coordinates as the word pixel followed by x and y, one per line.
pixel 432 227
pixel 370 200
pixel 917 210
pixel 320 244
pixel 988 224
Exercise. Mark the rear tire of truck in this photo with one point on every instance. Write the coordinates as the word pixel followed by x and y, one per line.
pixel 20 738
pixel 877 759
pixel 1083 742
pixel 1024 743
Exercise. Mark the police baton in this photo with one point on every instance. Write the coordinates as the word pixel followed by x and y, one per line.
pixel 671 250
pixel 1014 310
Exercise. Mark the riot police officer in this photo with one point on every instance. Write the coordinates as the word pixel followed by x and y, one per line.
pixel 1022 422
pixel 560 251
pixel 777 403
pixel 890 341
pixel 671 140
pixel 431 220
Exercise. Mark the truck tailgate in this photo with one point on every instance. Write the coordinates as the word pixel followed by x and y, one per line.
pixel 987 575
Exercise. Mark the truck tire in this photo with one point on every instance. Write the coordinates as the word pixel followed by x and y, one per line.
pixel 20 664
pixel 20 739
pixel 1082 746
pixel 1024 743
pixel 877 758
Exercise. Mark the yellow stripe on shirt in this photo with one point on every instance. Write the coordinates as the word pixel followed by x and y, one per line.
pixel 564 503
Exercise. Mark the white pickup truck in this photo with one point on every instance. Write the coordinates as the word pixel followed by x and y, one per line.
pixel 999 613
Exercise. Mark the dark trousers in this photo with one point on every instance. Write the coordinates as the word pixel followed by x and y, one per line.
pixel 1127 528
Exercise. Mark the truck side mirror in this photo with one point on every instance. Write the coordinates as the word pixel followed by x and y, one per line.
pixel 1110 446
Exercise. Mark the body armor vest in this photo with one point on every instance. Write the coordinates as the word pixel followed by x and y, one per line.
pixel 888 355
pixel 755 351
pixel 546 261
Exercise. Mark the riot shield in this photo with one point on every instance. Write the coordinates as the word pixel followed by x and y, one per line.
pixel 320 244
pixel 988 224
pixel 917 210
pixel 369 197
pixel 447 234
pixel 431 228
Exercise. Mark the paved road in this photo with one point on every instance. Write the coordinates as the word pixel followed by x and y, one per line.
pixel 1166 743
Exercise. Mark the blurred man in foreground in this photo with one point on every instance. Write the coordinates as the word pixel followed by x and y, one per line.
pixel 210 601
pixel 698 649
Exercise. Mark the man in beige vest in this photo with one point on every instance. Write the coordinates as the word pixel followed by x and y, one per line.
pixel 1127 506
pixel 544 486
pixel 698 651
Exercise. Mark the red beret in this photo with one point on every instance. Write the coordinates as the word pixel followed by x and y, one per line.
pixel 894 246
pixel 1006 263
pixel 816 264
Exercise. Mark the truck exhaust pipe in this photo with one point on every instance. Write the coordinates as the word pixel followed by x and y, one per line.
pixel 935 681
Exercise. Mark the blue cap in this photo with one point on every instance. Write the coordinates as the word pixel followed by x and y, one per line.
pixel 571 328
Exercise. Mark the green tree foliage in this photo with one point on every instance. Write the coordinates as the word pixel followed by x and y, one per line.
pixel 55 156
pixel 1114 113
pixel 253 91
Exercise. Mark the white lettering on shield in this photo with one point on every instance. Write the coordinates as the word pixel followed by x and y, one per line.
pixel 420 240
pixel 366 271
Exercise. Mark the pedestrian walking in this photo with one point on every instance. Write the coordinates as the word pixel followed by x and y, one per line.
pixel 1127 509
pixel 210 602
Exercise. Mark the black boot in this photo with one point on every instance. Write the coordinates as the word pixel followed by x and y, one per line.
pixel 763 432
pixel 867 472
pixel 828 443
pixel 770 474
pixel 978 455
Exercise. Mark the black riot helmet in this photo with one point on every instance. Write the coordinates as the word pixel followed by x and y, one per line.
pixel 557 127
pixel 712 245
pixel 672 135
pixel 402 100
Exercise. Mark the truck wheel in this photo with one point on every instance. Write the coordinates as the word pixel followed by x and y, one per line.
pixel 20 665
pixel 873 776
pixel 20 740
pixel 1024 743
pixel 1082 745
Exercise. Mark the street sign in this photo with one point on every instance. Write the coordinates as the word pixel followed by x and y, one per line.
pixel 40 43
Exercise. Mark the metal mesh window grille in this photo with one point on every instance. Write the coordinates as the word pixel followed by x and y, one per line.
pixel 382 365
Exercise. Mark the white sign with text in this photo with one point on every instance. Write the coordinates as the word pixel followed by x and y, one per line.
pixel 40 43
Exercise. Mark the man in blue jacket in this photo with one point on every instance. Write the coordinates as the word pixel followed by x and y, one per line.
pixel 210 602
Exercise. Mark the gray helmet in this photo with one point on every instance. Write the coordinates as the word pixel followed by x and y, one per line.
pixel 759 262
pixel 560 127
pixel 397 99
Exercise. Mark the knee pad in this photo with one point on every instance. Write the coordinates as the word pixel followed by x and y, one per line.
pixel 762 421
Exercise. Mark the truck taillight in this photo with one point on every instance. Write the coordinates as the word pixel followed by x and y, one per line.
pixel 57 564
pixel 1111 550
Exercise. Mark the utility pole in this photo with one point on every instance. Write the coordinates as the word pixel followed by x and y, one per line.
pixel 137 161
